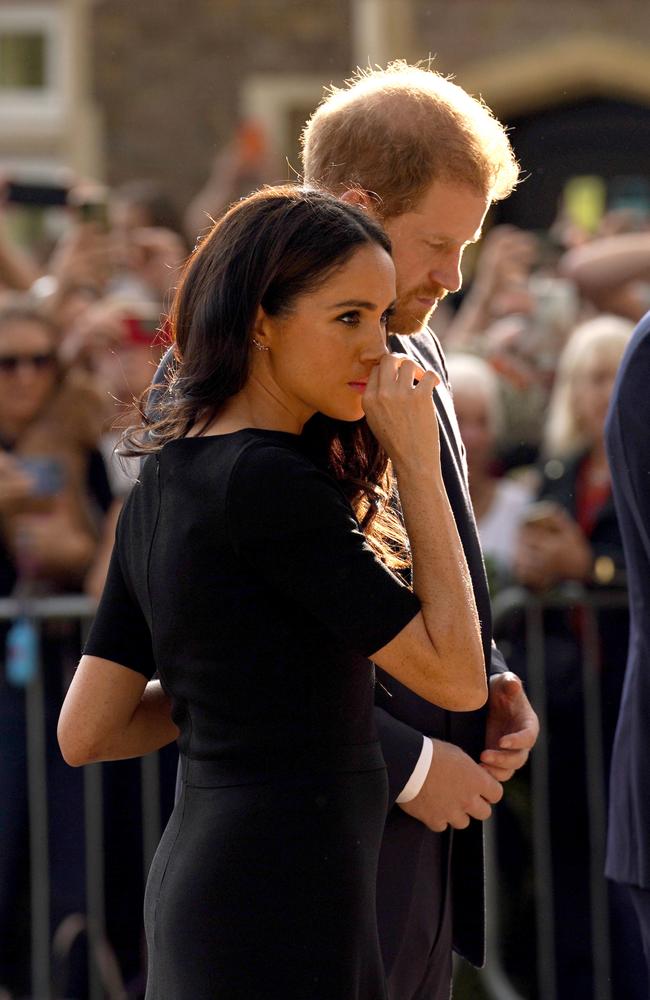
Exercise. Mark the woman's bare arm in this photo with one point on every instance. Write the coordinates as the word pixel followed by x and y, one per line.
pixel 439 654
pixel 110 713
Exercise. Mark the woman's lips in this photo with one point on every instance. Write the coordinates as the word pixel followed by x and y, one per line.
pixel 358 386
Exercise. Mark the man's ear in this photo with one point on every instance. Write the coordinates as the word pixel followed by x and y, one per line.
pixel 362 199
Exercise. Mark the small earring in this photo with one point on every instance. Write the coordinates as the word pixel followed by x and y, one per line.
pixel 258 346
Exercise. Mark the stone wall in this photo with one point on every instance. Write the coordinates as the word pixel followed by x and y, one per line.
pixel 169 76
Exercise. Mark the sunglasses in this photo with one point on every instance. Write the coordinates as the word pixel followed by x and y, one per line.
pixel 10 363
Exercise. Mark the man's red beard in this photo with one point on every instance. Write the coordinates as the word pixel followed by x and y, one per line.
pixel 410 314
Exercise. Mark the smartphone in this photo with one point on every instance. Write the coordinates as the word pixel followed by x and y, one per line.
pixel 36 195
pixel 46 473
pixel 95 212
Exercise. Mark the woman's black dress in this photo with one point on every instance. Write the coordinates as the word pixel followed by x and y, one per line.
pixel 240 575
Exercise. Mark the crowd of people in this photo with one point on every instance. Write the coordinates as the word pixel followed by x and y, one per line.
pixel 533 346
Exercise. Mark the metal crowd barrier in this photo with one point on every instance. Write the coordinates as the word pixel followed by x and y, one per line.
pixel 514 600
pixel 494 978
pixel 104 978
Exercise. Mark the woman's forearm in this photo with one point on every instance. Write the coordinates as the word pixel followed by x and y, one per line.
pixel 441 578
pixel 148 727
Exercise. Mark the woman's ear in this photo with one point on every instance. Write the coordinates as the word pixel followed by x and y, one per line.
pixel 262 330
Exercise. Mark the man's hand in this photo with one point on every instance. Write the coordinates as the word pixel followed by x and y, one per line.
pixel 512 727
pixel 455 790
pixel 552 550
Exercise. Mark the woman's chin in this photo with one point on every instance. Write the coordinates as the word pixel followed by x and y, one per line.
pixel 348 415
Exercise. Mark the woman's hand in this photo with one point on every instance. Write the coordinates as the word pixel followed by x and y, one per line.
pixel 52 545
pixel 400 411
pixel 16 485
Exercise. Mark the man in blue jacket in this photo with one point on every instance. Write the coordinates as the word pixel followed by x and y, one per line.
pixel 628 449
pixel 428 160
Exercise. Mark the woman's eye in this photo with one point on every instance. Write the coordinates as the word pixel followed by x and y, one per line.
pixel 351 318
pixel 386 315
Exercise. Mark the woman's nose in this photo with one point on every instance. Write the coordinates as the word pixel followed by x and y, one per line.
pixel 375 346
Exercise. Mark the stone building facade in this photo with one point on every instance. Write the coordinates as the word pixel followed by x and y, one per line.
pixel 172 80
pixel 151 89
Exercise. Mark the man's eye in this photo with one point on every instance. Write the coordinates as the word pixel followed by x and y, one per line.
pixel 351 318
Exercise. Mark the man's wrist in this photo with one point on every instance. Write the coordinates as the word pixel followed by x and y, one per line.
pixel 419 773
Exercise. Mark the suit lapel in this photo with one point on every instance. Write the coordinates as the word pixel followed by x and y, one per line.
pixel 424 349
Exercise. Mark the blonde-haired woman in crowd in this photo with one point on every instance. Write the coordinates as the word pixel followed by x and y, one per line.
pixel 564 542
pixel 585 375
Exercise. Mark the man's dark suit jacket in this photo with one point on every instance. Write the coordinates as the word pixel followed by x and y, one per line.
pixel 403 717
pixel 628 449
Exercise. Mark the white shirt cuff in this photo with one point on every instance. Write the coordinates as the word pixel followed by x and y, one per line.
pixel 415 782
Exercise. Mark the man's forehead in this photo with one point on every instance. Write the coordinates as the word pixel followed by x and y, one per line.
pixel 450 212
pixel 442 236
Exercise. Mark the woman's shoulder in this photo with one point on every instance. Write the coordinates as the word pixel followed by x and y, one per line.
pixel 243 448
pixel 275 479
pixel 251 460
pixel 275 460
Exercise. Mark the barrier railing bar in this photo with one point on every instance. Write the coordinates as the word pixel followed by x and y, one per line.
pixel 504 604
pixel 95 901
pixel 494 977
pixel 542 855
pixel 39 608
pixel 596 803
pixel 38 833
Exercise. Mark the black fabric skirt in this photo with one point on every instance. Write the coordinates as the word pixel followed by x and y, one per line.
pixel 263 885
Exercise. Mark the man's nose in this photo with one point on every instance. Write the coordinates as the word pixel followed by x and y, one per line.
pixel 446 272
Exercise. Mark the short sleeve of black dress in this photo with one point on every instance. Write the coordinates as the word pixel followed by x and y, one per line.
pixel 120 631
pixel 293 527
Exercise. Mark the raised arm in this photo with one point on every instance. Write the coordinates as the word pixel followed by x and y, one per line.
pixel 611 272
pixel 439 654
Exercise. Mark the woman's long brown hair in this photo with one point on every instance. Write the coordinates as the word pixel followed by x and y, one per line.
pixel 267 250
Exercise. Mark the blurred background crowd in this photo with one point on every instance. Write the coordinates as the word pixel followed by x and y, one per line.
pixel 90 251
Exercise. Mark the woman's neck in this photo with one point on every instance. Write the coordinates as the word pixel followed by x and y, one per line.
pixel 254 406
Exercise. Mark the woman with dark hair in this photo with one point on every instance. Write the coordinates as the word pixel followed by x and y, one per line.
pixel 253 569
